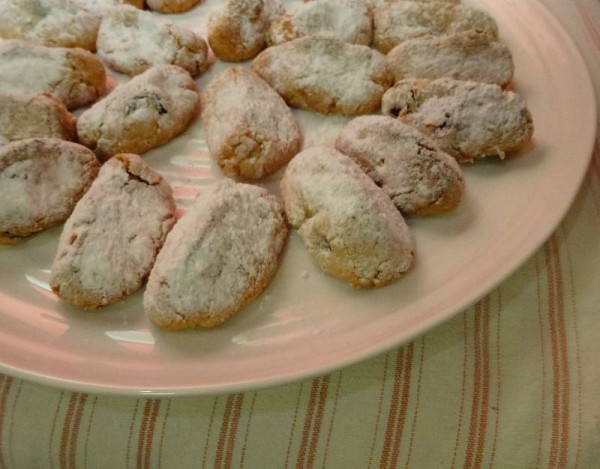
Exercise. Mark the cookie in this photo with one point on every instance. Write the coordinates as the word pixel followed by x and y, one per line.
pixel 468 120
pixel 221 254
pixel 349 226
pixel 348 20
pixel 75 76
pixel 250 131
pixel 41 180
pixel 462 56
pixel 34 115
pixel 394 23
pixel 409 167
pixel 130 41
pixel 325 75
pixel 102 7
pixel 146 112
pixel 109 243
pixel 56 23
pixel 171 6
pixel 238 31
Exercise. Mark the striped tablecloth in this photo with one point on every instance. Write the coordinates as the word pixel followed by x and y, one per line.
pixel 512 382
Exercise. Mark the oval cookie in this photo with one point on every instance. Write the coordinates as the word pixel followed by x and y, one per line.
pixel 249 129
pixel 238 31
pixel 171 6
pixel 102 7
pixel 75 76
pixel 462 56
pixel 348 20
pixel 146 112
pixel 56 23
pixel 131 41
pixel 394 23
pixel 34 115
pixel 325 75
pixel 110 241
pixel 41 180
pixel 466 119
pixel 349 226
pixel 218 258
pixel 411 170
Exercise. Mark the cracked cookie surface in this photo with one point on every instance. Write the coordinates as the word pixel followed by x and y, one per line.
pixel 147 111
pixel 466 119
pixel 221 254
pixel 349 226
pixel 171 6
pixel 41 180
pixel 130 41
pixel 109 243
pixel 408 166
pixel 250 131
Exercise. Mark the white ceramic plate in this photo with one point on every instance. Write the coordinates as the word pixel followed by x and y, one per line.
pixel 307 323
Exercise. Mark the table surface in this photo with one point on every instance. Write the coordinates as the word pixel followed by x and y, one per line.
pixel 511 382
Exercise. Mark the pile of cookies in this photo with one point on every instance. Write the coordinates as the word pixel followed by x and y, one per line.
pixel 424 84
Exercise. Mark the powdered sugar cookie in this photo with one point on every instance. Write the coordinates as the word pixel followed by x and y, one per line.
pixel 74 76
pixel 57 23
pixel 218 258
pixel 238 31
pixel 325 75
pixel 348 20
pixel 394 23
pixel 34 115
pixel 463 56
pixel 110 241
pixel 131 41
pixel 41 180
pixel 147 111
pixel 171 6
pixel 409 167
pixel 466 119
pixel 349 226
pixel 250 131
pixel 101 7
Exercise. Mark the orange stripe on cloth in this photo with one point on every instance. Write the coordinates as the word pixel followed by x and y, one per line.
pixel 385 453
pixel 75 430
pixel 7 384
pixel 223 434
pixel 66 431
pixel 307 423
pixel 379 407
pixel 417 402
pixel 150 433
pixel 142 433
pixel 316 431
pixel 232 435
pixel 332 418
pixel 485 391
pixel 477 378
pixel 403 404
pixel 560 390
pixel 462 393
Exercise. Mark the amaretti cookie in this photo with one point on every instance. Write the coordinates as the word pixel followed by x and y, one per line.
pixel 34 115
pixel 250 131
pixel 57 23
pixel 409 167
pixel 75 76
pixel 221 254
pixel 41 180
pixel 325 75
pixel 171 6
pixel 463 56
pixel 349 226
pixel 396 22
pixel 131 41
pixel 110 242
pixel 101 7
pixel 147 111
pixel 348 20
pixel 238 31
pixel 466 119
